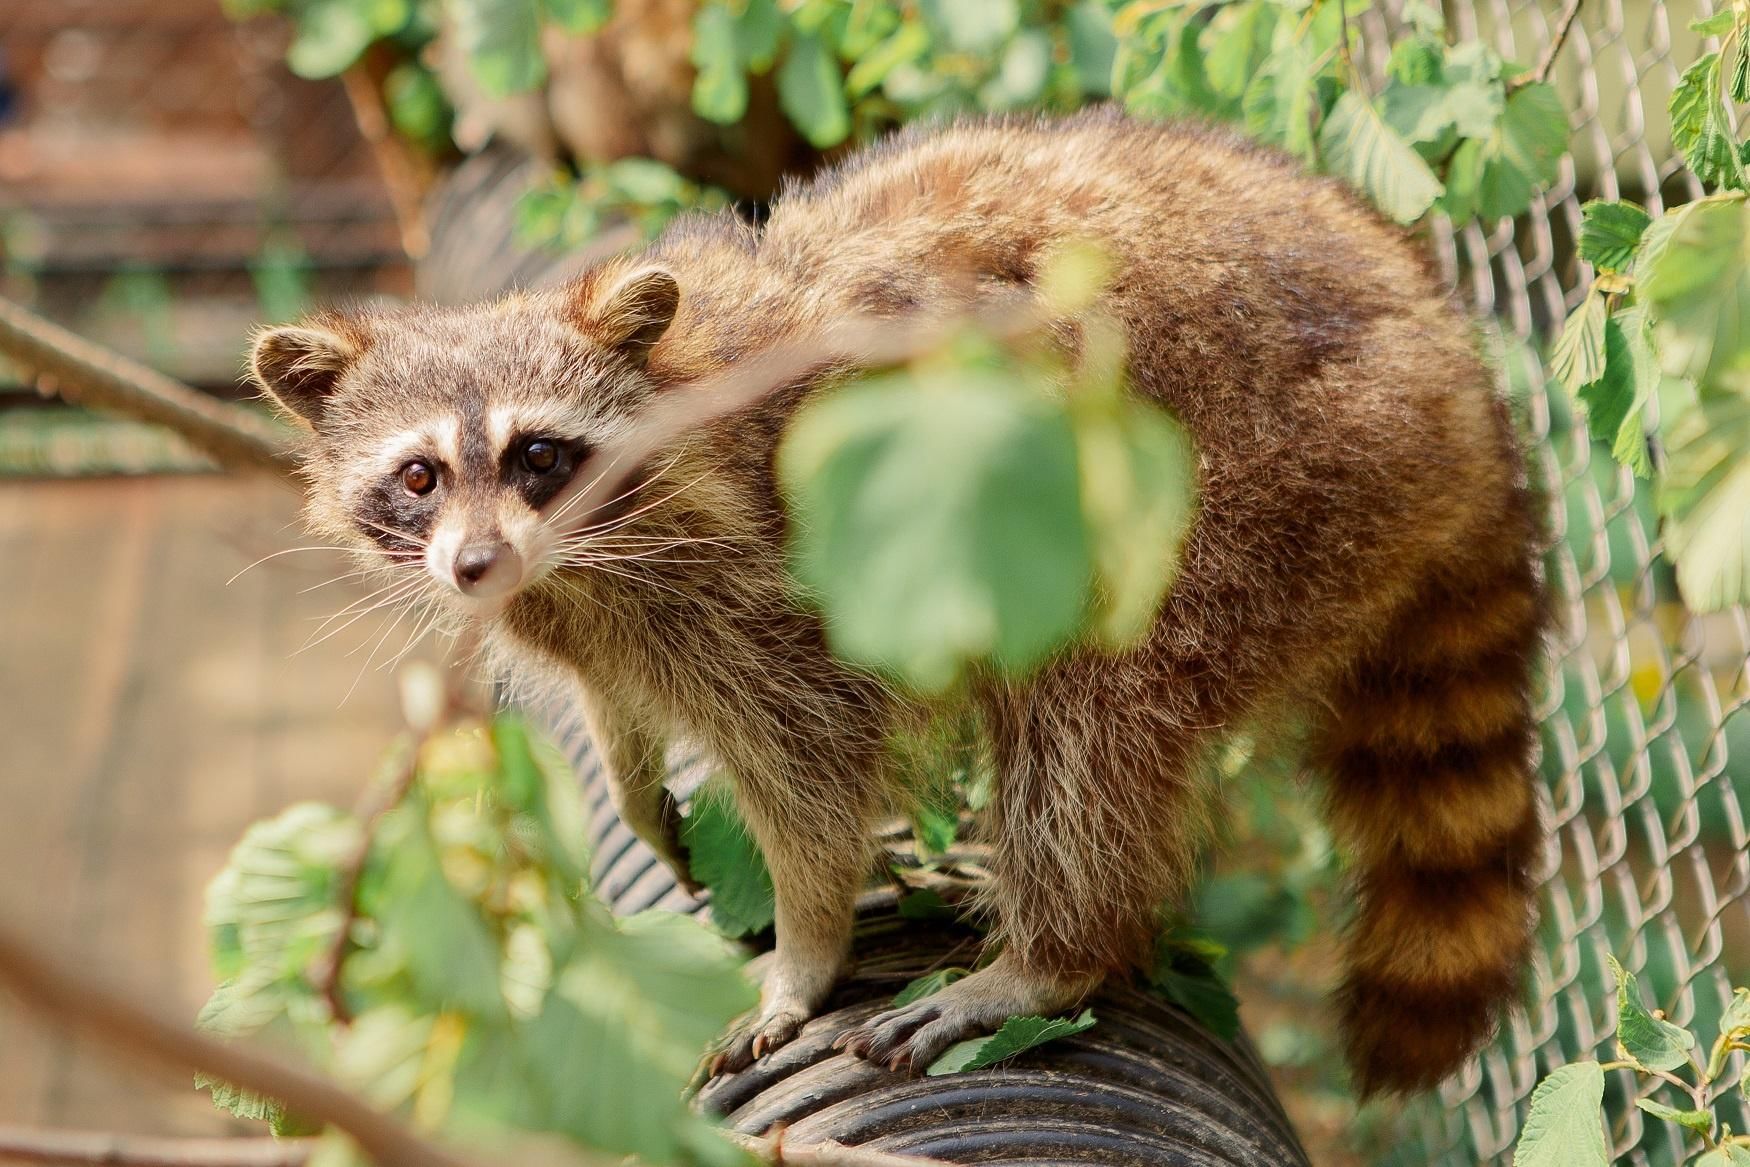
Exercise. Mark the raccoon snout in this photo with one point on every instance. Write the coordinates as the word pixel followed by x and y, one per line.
pixel 488 570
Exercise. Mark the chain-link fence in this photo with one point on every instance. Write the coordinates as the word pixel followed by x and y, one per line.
pixel 1646 750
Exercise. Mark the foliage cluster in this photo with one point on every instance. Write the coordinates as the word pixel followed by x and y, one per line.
pixel 1565 1128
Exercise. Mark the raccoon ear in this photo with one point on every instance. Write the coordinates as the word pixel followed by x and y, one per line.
pixel 633 312
pixel 299 366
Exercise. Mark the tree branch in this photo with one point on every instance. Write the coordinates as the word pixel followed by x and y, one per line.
pixel 97 1149
pixel 57 361
pixel 1540 73
pixel 78 1001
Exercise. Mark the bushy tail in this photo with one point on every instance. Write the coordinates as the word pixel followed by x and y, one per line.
pixel 1428 753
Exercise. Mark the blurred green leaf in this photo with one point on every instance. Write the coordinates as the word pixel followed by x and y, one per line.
pixel 1615 401
pixel 1705 499
pixel 908 43
pixel 1021 73
pixel 1017 1035
pixel 1577 358
pixel 812 93
pixel 329 35
pixel 1700 129
pixel 1184 972
pixel 1524 153
pixel 1729 1155
pixel 1696 285
pixel 579 16
pixel 939 522
pixel 719 86
pixel 502 40
pixel 1695 1120
pixel 929 984
pixel 973 26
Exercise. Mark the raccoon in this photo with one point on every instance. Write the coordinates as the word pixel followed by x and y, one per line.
pixel 1363 560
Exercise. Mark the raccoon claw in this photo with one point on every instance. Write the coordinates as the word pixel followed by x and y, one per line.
pixel 907 1038
pixel 756 1039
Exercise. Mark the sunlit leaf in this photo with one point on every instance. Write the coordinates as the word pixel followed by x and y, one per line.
pixel 1577 357
pixel 724 857
pixel 1610 232
pixel 502 40
pixel 1653 1042
pixel 1705 498
pixel 812 93
pixel 1696 284
pixel 1695 1120
pixel 1700 129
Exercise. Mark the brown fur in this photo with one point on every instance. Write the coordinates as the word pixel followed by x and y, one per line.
pixel 1364 549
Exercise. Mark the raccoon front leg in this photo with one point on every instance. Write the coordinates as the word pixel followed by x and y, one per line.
pixel 633 764
pixel 818 856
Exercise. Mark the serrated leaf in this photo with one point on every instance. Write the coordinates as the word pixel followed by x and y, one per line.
pixel 1610 232
pixel 1017 1035
pixel 1695 1120
pixel 929 984
pixel 1417 60
pixel 1615 403
pixel 1705 499
pixel 724 857
pixel 502 41
pixel 1565 1127
pixel 1357 144
pixel 1699 128
pixel 1736 1018
pixel 1738 76
pixel 719 85
pixel 1578 358
pixel 812 94
pixel 939 522
pixel 1653 1042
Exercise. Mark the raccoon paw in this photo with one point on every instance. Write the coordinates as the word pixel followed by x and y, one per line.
pixel 770 1028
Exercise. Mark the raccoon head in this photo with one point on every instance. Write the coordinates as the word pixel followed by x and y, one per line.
pixel 439 434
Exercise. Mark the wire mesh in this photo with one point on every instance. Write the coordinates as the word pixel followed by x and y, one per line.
pixel 1644 742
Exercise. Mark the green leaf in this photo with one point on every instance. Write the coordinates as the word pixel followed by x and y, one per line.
pixel 1417 60
pixel 1610 232
pixel 1615 402
pixel 1729 1155
pixel 1705 499
pixel 1523 155
pixel 926 903
pixel 1577 357
pixel 1278 104
pixel 1184 973
pixel 1738 76
pixel 939 522
pixel 608 1060
pixel 434 933
pixel 1654 1043
pixel 929 984
pixel 579 16
pixel 759 34
pixel 330 36
pixel 908 43
pixel 1357 144
pixel 1699 128
pixel 383 1054
pixel 1139 492
pixel 724 857
pixel 812 94
pixel 1565 1127
pixel 502 40
pixel 973 26
pixel 1241 38
pixel 1695 1120
pixel 1092 47
pixel 1696 285
pixel 1017 1035
pixel 719 85
pixel 1719 24
pixel 1735 1021
pixel 1437 114
pixel 1021 72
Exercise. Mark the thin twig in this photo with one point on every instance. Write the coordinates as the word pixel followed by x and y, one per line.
pixel 1540 73
pixel 58 361
pixel 857 342
pixel 61 1148
pixel 69 995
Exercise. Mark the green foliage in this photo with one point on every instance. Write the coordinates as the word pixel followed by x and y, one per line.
pixel 1184 972
pixel 724 857
pixel 1565 1128
pixel 1668 320
pixel 569 211
pixel 1016 1035
pixel 928 984
pixel 483 990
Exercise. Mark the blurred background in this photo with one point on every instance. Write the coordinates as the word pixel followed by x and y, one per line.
pixel 173 172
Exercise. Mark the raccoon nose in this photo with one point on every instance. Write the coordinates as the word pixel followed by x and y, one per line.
pixel 488 569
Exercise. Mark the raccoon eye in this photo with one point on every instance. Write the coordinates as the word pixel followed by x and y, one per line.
pixel 418 478
pixel 540 456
